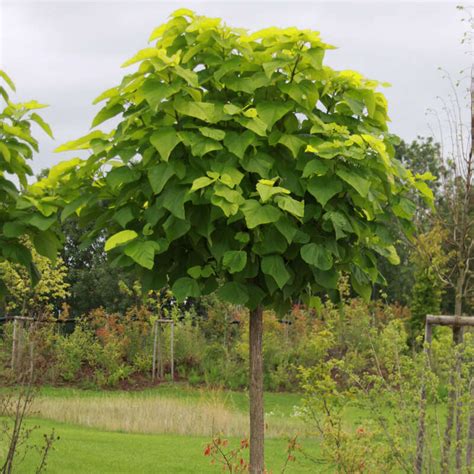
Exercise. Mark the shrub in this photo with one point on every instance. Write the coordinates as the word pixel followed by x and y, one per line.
pixel 387 391
pixel 74 351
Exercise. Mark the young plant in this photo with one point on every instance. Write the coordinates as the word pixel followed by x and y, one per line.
pixel 229 459
pixel 14 409
pixel 243 165
pixel 385 435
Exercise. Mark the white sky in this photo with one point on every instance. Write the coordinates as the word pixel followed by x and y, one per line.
pixel 65 53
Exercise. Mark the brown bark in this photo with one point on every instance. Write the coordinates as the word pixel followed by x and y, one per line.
pixel 458 336
pixel 459 295
pixel 257 427
pixel 14 344
pixel 155 336
pixel 450 320
pixel 420 441
pixel 453 403
pixel 470 441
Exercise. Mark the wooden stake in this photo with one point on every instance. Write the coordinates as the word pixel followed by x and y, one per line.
pixel 153 370
pixel 172 350
pixel 14 344
pixel 160 353
pixel 420 441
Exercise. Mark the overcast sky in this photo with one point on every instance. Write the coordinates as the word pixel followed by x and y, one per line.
pixel 65 53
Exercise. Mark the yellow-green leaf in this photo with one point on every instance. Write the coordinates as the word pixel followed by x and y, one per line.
pixel 119 238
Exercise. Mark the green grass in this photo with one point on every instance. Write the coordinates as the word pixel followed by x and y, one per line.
pixel 88 451
pixel 83 449
pixel 280 404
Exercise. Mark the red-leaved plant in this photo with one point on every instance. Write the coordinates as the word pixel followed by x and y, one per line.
pixel 234 460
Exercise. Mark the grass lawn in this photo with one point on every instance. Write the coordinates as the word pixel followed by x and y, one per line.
pixel 83 450
pixel 159 430
pixel 277 403
pixel 175 409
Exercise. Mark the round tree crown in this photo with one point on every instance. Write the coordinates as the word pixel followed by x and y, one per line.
pixel 240 163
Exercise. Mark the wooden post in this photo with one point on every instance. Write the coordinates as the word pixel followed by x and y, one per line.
pixel 32 357
pixel 172 350
pixel 153 370
pixel 158 367
pixel 451 320
pixel 457 322
pixel 470 436
pixel 225 331
pixel 420 440
pixel 14 344
pixel 453 407
pixel 257 423
pixel 160 352
pixel 458 449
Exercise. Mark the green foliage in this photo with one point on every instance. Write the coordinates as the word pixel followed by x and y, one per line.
pixel 423 157
pixel 22 214
pixel 93 283
pixel 430 266
pixel 45 298
pixel 222 132
pixel 215 350
pixel 386 394
pixel 104 348
pixel 73 352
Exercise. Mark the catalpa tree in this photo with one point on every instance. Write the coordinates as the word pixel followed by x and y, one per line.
pixel 23 215
pixel 240 164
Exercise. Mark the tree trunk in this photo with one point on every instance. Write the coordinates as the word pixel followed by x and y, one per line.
pixel 420 441
pixel 458 339
pixel 459 405
pixel 470 439
pixel 458 295
pixel 257 426
pixel 452 403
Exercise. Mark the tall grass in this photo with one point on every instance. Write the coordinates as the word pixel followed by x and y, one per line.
pixel 153 415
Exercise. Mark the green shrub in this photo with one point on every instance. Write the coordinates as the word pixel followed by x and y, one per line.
pixel 74 351
pixel 105 349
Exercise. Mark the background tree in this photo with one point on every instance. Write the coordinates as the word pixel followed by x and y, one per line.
pixel 456 216
pixel 24 217
pixel 429 261
pixel 456 212
pixel 45 298
pixel 241 164
pixel 93 282
pixel 423 157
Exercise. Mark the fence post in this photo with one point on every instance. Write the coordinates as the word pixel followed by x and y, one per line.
pixel 14 344
pixel 172 350
pixel 420 441
pixel 153 370
pixel 160 352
